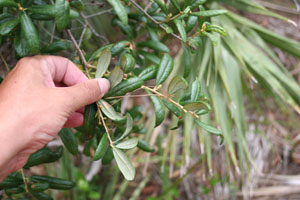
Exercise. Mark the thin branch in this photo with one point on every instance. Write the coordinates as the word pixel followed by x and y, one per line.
pixel 86 65
pixel 53 32
pixel 99 13
pixel 297 5
pixel 93 30
pixel 152 19
pixel 169 99
pixel 104 124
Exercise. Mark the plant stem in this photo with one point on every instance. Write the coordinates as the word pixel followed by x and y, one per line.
pixel 24 179
pixel 152 19
pixel 86 65
pixel 171 100
pixel 104 124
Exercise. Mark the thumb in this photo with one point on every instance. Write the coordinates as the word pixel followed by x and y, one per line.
pixel 86 92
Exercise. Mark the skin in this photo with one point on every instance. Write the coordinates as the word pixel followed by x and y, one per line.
pixel 41 95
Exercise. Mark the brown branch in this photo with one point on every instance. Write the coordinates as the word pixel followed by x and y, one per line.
pixel 152 19
pixel 86 65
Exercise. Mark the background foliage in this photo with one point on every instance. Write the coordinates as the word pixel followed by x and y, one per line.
pixel 223 67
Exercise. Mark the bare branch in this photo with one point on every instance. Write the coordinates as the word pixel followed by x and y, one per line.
pixel 86 65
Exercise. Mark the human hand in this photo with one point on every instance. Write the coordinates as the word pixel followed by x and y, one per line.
pixel 38 97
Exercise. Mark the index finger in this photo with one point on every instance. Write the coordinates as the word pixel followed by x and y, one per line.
pixel 64 71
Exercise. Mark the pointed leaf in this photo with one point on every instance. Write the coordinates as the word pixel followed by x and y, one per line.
pixel 177 83
pixel 143 145
pixel 103 62
pixel 165 68
pixel 128 144
pixel 124 164
pixel 195 91
pixel 116 76
pixel 119 9
pixel 199 105
pixel 102 147
pixel 109 111
pixel 180 26
pixel 125 86
pixel 209 13
pixel 129 125
pixel 158 109
pixel 208 128
pixel 70 141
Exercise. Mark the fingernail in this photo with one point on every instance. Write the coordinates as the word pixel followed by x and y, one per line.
pixel 104 86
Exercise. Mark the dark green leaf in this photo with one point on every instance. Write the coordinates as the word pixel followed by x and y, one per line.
pixel 62 16
pixel 195 91
pixel 208 128
pixel 159 109
pixel 70 141
pixel 174 109
pixel 56 46
pixel 180 26
pixel 162 6
pixel 8 26
pixel 127 62
pixel 164 69
pixel 175 3
pixel 148 73
pixel 125 86
pixel 102 147
pixel 119 9
pixel 155 45
pixel 144 146
pixel 30 33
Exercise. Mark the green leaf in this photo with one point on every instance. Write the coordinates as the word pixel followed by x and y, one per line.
pixel 196 91
pixel 149 73
pixel 144 146
pixel 195 106
pixel 173 108
pixel 119 9
pixel 125 86
pixel 213 38
pixel 129 125
pixel 155 45
pixel 217 29
pixel 164 69
pixel 109 111
pixel 103 62
pixel 177 83
pixel 180 26
pixel 209 13
pixel 116 76
pixel 124 164
pixel 8 26
pixel 78 4
pixel 191 22
pixel 102 147
pixel 197 3
pixel 149 56
pixel 127 62
pixel 56 46
pixel 162 6
pixel 97 53
pixel 175 4
pixel 90 120
pixel 159 109
pixel 118 47
pixel 128 144
pixel 62 16
pixel 20 45
pixel 69 140
pixel 187 60
pixel 8 3
pixel 30 33
pixel 108 156
pixel 208 128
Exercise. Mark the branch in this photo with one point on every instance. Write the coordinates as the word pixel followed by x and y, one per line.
pixel 152 19
pixel 93 30
pixel 86 65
